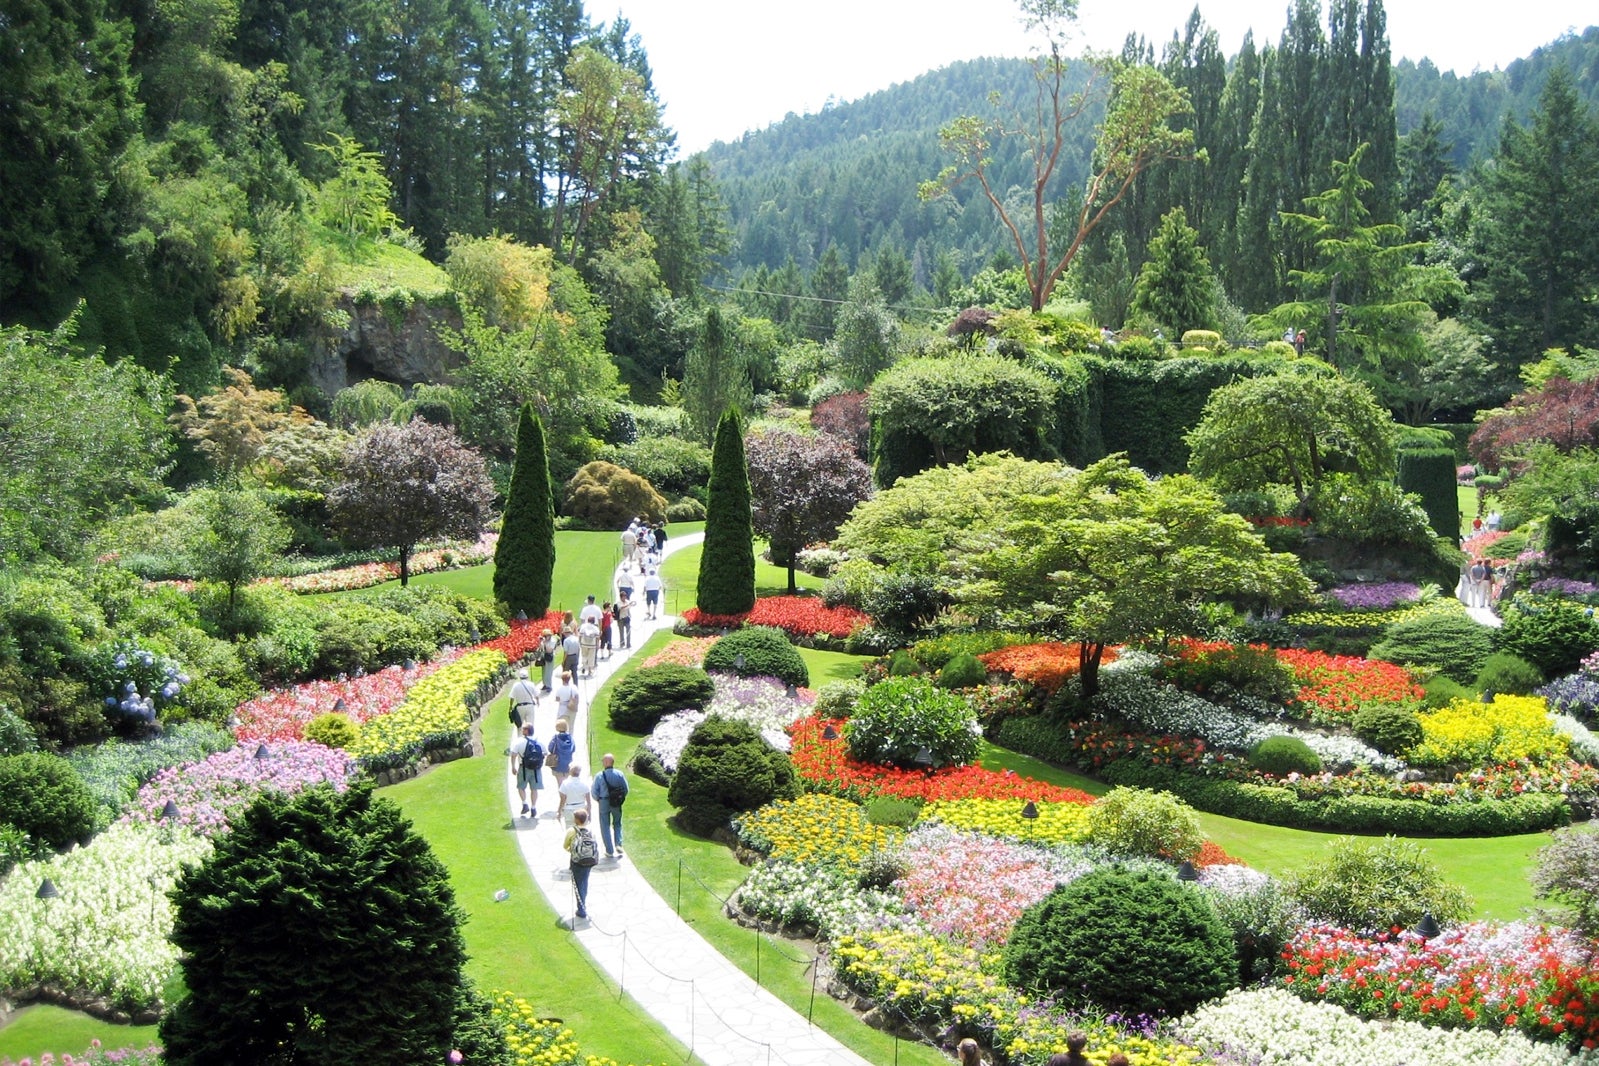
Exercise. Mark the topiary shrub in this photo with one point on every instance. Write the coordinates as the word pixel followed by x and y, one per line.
pixel 725 770
pixel 1370 886
pixel 606 496
pixel 1138 821
pixel 1449 641
pixel 906 721
pixel 42 795
pixel 1132 941
pixel 331 730
pixel 1281 756
pixel 903 664
pixel 641 699
pixel 1443 690
pixel 963 671
pixel 1508 674
pixel 1388 728
pixel 1553 635
pixel 765 651
pixel 894 810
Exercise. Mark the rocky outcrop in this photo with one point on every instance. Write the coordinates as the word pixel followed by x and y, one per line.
pixel 389 342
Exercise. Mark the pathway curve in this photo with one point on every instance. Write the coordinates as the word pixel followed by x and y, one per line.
pixel 709 1004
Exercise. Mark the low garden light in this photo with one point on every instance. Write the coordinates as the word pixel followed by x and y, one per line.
pixel 739 662
pixel 791 692
pixel 1428 927
pixel 1187 872
pixel 829 733
pixel 1029 809
pixel 338 705
pixel 263 752
pixel 521 616
pixel 170 812
pixel 47 890
pixel 924 759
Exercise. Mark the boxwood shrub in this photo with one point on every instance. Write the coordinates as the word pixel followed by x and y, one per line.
pixel 897 719
pixel 725 770
pixel 1281 756
pixel 1450 641
pixel 766 652
pixel 642 698
pixel 43 796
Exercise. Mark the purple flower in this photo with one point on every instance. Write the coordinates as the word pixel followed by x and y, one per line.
pixel 1378 597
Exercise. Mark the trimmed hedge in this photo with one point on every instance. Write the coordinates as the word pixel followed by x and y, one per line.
pixel 766 652
pixel 641 699
pixel 1274 805
pixel 1430 474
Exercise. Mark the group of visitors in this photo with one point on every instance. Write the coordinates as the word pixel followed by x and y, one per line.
pixel 968 1053
pixel 1477 584
pixel 643 543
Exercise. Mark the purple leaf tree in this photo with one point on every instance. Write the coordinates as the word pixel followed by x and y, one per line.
pixel 801 490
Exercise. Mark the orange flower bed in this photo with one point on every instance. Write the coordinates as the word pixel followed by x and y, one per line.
pixel 1046 665
pixel 826 766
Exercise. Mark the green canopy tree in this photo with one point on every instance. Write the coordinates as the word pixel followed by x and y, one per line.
pixel 727 559
pixel 524 558
pixel 322 929
pixel 716 374
pixel 1291 428
pixel 237 536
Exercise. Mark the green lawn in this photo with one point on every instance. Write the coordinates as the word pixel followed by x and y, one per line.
pixel 681 572
pixel 519 945
pixel 35 1030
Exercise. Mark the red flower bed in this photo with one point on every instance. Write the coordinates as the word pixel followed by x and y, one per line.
pixel 1046 665
pixel 1342 684
pixel 282 714
pixel 826 765
pixel 801 617
pixel 519 642
pixel 1213 854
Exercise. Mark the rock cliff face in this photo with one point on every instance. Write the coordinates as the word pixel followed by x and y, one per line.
pixel 386 342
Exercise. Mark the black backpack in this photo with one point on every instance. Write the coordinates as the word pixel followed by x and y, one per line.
pixel 532 753
pixel 615 787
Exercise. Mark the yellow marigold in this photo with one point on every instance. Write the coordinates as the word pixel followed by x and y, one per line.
pixel 1507 729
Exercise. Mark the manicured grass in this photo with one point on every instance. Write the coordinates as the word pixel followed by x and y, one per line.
pixel 698 874
pixel 35 1030
pixel 681 572
pixel 519 945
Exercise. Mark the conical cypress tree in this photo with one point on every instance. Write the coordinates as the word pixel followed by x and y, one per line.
pixel 727 562
pixel 524 560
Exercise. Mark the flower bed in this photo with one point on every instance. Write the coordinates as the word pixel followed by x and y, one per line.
pixel 1479 975
pixel 105 936
pixel 825 766
pixel 536 1041
pixel 688 651
pixel 816 830
pixel 1046 665
pixel 1056 823
pixel 208 792
pixel 763 702
pixel 820 901
pixel 115 770
pixel 803 618
pixel 282 714
pixel 437 713
pixel 365 575
pixel 971 889
pixel 1510 729
pixel 518 644
pixel 1271 1027
pixel 1333 687
pixel 1374 597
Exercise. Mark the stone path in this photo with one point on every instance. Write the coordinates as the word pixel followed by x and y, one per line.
pixel 705 1001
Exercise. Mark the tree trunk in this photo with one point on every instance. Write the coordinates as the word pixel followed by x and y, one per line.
pixel 405 564
pixel 793 588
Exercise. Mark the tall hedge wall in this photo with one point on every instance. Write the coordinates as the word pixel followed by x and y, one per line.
pixel 1430 474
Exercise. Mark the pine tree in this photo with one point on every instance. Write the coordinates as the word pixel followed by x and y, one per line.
pixel 1176 288
pixel 727 561
pixel 524 559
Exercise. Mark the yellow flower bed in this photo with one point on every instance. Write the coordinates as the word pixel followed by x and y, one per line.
pixel 1057 823
pixel 819 829
pixel 929 980
pixel 539 1041
pixel 1372 619
pixel 1483 734
pixel 435 708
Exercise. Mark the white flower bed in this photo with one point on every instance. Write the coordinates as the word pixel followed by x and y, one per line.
pixel 763 702
pixel 801 894
pixel 106 934
pixel 1273 1027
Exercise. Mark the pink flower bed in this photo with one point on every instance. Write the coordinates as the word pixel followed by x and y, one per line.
pixel 282 714
pixel 974 892
pixel 690 652
pixel 208 792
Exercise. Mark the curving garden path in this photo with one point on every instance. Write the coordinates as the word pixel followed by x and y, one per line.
pixel 709 1004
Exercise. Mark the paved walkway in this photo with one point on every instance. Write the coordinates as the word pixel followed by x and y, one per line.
pixel 709 1004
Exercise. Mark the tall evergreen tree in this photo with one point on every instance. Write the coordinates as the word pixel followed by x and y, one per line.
pixel 716 374
pixel 1540 239
pixel 1176 288
pixel 829 290
pixel 524 559
pixel 727 560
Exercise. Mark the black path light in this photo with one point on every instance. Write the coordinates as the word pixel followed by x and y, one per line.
pixel 47 890
pixel 169 812
pixel 263 752
pixel 1428 927
pixel 1187 872
pixel 1030 809
pixel 829 733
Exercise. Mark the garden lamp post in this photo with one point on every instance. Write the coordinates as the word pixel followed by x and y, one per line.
pixel 1030 810
pixel 829 733
pixel 263 752
pixel 1428 927
pixel 1187 872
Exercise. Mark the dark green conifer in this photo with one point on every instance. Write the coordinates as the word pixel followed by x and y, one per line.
pixel 524 560
pixel 727 562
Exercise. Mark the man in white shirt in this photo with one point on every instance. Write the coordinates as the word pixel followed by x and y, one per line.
pixel 588 639
pixel 574 797
pixel 652 594
pixel 590 612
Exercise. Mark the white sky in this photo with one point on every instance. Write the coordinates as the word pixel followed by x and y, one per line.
pixel 723 67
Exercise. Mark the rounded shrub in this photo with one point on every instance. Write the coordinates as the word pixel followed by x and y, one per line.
pixel 687 509
pixel 1389 728
pixel 1281 756
pixel 331 730
pixel 641 699
pixel 42 795
pixel 1370 886
pixel 1553 635
pixel 1442 690
pixel 903 664
pixel 1139 821
pixel 1449 641
pixel 1233 671
pixel 837 699
pixel 963 671
pixel 765 651
pixel 725 770
pixel 606 496
pixel 907 721
pixel 1508 674
pixel 1132 941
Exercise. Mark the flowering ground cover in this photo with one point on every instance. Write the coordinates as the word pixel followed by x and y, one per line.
pixel 520 641
pixel 282 714
pixel 435 712
pixel 537 1041
pixel 365 575
pixel 1376 596
pixel 1332 687
pixel 1053 823
pixel 208 792
pixel 689 651
pixel 1508 729
pixel 815 829
pixel 763 702
pixel 971 889
pixel 115 770
pixel 825 765
pixel 1480 975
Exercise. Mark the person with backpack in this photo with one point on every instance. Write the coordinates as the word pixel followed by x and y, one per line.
pixel 530 761
pixel 584 852
pixel 561 749
pixel 610 792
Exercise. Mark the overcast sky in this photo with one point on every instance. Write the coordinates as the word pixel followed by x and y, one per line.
pixel 723 67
